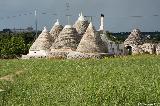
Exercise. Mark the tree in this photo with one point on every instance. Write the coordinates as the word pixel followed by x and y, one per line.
pixel 12 47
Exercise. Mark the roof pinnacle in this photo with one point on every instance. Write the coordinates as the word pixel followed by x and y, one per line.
pixel 81 17
pixel 45 30
pixel 57 23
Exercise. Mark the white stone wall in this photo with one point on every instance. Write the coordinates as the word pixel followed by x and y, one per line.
pixel 38 53
pixel 136 50
pixel 158 49
pixel 145 48
pixel 148 47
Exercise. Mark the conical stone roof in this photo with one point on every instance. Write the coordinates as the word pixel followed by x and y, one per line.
pixel 135 38
pixel 42 42
pixel 91 42
pixel 67 39
pixel 81 25
pixel 56 29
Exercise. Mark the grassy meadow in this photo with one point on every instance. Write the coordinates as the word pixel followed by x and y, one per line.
pixel 120 81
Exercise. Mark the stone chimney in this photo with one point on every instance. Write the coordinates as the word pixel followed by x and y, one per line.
pixel 102 23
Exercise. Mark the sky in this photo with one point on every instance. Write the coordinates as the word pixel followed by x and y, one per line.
pixel 120 15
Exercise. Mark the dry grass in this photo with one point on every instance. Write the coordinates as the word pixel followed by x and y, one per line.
pixel 10 77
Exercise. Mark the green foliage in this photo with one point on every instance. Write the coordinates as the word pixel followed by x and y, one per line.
pixel 15 44
pixel 153 39
pixel 12 46
pixel 123 81
pixel 116 39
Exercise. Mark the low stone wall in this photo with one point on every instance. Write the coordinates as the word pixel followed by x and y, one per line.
pixel 32 56
pixel 36 54
pixel 58 54
pixel 78 55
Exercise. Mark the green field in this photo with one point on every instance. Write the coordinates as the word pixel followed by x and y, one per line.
pixel 121 81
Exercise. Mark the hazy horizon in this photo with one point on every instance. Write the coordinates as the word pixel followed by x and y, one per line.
pixel 120 15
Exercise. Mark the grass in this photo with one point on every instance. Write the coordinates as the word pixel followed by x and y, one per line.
pixel 122 81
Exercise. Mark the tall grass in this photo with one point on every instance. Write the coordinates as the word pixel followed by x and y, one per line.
pixel 122 81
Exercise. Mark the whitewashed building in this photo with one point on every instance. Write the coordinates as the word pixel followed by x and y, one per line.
pixel 41 47
pixel 60 41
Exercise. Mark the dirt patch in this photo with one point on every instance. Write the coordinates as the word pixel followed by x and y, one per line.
pixel 7 77
pixel 19 72
pixel 10 77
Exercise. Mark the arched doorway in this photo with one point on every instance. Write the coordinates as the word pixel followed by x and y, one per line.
pixel 129 50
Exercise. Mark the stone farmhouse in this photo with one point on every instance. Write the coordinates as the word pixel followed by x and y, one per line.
pixel 82 40
pixel 135 44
